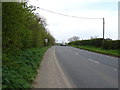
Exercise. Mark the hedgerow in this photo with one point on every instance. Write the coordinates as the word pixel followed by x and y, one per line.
pixel 98 42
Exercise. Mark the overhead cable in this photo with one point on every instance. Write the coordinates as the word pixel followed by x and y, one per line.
pixel 66 14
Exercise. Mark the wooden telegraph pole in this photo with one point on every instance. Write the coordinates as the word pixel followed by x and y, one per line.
pixel 103 32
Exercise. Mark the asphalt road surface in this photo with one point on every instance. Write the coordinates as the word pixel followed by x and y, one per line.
pixel 85 69
pixel 68 67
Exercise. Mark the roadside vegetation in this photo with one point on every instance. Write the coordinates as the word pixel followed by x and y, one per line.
pixel 23 44
pixel 109 47
pixel 20 69
pixel 99 50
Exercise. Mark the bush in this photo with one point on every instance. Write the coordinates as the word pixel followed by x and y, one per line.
pixel 20 69
pixel 98 42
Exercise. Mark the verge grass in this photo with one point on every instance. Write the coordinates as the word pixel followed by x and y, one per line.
pixel 115 52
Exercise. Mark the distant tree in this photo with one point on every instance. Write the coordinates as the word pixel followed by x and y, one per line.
pixel 108 39
pixel 94 37
pixel 75 38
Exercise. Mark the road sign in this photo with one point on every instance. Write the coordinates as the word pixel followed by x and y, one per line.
pixel 46 40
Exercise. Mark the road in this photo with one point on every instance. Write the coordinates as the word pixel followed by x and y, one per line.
pixel 80 69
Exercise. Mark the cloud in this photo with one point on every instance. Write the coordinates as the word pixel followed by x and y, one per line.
pixel 62 4
pixel 63 27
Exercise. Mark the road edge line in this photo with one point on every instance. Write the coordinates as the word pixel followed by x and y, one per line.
pixel 68 85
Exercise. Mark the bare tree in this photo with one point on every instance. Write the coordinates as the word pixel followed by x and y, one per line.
pixel 75 38
pixel 94 37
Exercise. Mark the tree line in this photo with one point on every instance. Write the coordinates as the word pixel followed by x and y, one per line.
pixel 22 28
pixel 23 44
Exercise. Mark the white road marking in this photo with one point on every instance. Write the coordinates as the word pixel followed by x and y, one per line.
pixel 76 53
pixel 68 84
pixel 96 62
pixel 93 60
pixel 99 62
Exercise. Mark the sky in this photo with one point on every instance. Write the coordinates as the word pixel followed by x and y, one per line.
pixel 62 27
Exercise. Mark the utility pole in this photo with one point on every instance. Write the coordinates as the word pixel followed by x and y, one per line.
pixel 103 28
pixel 103 32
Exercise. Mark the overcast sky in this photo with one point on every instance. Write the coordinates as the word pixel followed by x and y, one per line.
pixel 62 27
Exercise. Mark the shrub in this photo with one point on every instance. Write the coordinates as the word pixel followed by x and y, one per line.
pixel 98 42
pixel 20 69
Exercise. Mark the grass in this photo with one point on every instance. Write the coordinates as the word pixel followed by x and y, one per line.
pixel 19 70
pixel 99 50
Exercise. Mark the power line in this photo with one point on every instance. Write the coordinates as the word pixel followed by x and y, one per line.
pixel 77 17
pixel 66 14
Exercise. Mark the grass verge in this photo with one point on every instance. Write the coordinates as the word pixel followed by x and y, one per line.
pixel 115 53
pixel 19 70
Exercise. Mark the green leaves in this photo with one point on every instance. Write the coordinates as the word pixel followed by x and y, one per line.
pixel 22 28
pixel 22 70
pixel 108 44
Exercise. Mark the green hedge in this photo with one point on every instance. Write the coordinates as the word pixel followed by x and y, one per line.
pixel 108 44
pixel 22 28
pixel 112 44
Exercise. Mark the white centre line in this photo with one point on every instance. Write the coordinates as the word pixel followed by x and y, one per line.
pixel 99 62
pixel 96 62
pixel 76 53
pixel 93 60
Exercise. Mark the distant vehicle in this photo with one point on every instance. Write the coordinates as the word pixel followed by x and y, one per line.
pixel 63 44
